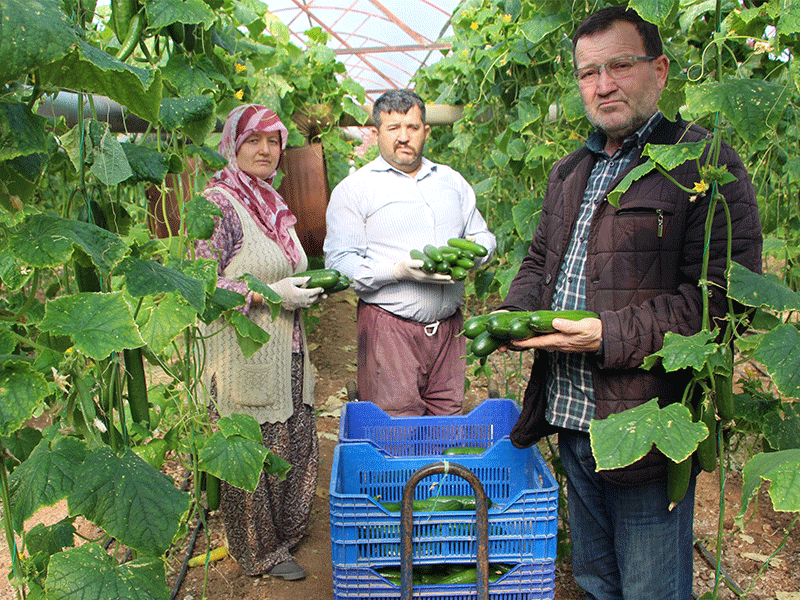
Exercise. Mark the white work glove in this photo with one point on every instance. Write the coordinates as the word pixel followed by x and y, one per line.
pixel 411 270
pixel 294 295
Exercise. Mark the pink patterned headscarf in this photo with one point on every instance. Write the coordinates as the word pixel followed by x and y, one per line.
pixel 257 195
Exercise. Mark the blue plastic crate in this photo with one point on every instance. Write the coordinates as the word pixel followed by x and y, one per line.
pixel 488 422
pixel 523 519
pixel 527 581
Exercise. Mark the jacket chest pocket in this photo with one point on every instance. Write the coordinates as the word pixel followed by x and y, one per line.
pixel 641 227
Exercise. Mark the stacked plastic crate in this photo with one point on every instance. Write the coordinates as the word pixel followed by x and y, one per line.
pixel 375 458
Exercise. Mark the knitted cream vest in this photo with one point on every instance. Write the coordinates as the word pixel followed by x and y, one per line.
pixel 260 386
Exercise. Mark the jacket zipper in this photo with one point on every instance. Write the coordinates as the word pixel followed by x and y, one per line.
pixel 660 214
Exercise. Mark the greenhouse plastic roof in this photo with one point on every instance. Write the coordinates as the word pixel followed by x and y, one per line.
pixel 382 43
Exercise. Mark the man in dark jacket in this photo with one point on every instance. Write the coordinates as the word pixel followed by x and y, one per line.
pixel 637 267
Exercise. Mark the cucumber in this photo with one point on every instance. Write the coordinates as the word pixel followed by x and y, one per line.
pixel 519 329
pixel 343 283
pixel 707 448
pixel 474 326
pixel 465 263
pixel 467 502
pixel 723 388
pixel 443 267
pixel 468 245
pixel 459 450
pixel 428 265
pixel 137 385
pixel 324 278
pixel 458 273
pixel 451 255
pixel 434 504
pixel 433 253
pixel 541 321
pixel 498 323
pixel 212 491
pixel 678 475
pixel 460 577
pixel 427 505
pixel 484 344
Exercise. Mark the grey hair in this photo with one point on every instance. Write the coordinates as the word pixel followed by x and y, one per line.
pixel 396 101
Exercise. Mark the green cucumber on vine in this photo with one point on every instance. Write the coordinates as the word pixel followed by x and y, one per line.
pixel 723 388
pixel 678 477
pixel 122 12
pixel 137 385
pixel 134 34
pixel 212 491
pixel 707 448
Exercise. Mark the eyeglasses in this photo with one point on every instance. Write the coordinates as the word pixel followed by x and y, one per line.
pixel 616 69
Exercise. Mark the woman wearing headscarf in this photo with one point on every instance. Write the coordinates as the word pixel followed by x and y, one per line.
pixel 256 235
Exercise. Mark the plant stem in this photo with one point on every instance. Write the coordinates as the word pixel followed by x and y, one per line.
pixel 7 523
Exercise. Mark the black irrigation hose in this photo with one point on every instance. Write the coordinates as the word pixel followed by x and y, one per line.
pixel 176 588
pixel 712 562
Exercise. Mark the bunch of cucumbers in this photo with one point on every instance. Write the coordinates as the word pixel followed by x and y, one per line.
pixel 445 574
pixel 439 503
pixel 330 280
pixel 454 259
pixel 489 332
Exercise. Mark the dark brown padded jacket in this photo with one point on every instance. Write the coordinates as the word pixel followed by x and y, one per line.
pixel 644 260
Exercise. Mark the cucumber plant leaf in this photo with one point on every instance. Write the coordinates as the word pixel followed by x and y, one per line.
pixel 753 107
pixel 22 390
pixel 782 470
pixel 21 132
pixel 88 572
pixel 235 458
pixel 149 278
pixel 752 289
pixel 88 68
pixel 161 320
pixel 540 28
pixel 146 164
pixel 129 500
pixel 679 351
pixel 194 116
pixel 161 13
pixel 48 241
pixel 270 296
pixel 32 33
pixel 660 12
pixel 179 73
pixel 239 424
pixel 47 476
pixel 781 427
pixel 99 324
pixel 779 352
pixel 249 335
pixel 48 540
pixel 199 218
pixel 625 437
pixel 639 171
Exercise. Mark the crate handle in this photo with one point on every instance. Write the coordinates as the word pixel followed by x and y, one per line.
pixel 406 525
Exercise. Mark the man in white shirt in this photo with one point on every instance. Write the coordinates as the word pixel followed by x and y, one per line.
pixel 411 360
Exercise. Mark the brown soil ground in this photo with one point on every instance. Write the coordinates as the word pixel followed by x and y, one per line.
pixel 332 343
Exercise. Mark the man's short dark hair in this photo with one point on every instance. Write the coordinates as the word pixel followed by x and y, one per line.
pixel 396 101
pixel 603 19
